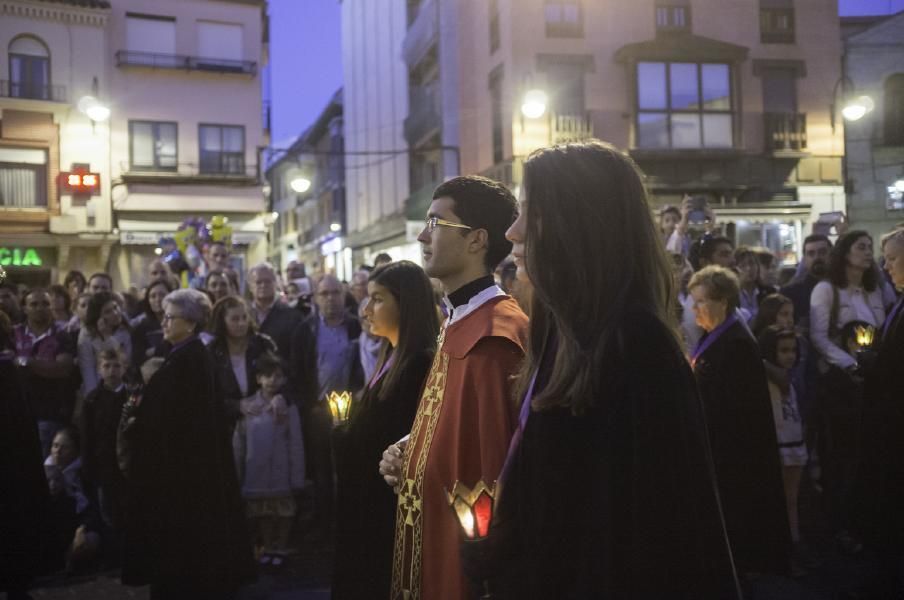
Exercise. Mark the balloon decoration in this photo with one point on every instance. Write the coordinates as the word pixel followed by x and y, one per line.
pixel 186 250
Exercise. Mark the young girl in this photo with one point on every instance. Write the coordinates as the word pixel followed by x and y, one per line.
pixel 269 454
pixel 778 348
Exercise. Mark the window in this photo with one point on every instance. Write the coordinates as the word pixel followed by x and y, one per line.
pixel 684 105
pixel 23 178
pixel 894 110
pixel 220 40
pixel 222 149
pixel 151 34
pixel 29 69
pixel 153 146
pixel 494 26
pixel 564 18
pixel 673 15
pixel 776 22
pixel 496 117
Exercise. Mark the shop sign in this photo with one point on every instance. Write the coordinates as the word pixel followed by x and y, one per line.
pixel 20 257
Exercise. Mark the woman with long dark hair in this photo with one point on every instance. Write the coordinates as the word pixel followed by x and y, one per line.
pixel 105 328
pixel 147 328
pixel 608 488
pixel 399 309
pixel 236 347
pixel 853 291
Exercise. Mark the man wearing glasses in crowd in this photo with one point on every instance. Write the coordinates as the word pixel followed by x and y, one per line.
pixel 466 416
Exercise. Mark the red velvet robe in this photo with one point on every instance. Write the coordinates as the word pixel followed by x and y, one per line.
pixel 464 422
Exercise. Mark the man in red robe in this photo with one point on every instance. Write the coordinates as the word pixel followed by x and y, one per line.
pixel 467 413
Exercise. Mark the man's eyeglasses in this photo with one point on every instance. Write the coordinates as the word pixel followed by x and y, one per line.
pixel 433 222
pixel 169 317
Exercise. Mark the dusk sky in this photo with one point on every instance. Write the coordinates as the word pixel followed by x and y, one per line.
pixel 306 57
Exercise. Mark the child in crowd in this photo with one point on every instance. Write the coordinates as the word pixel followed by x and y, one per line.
pixel 100 420
pixel 779 350
pixel 73 518
pixel 269 454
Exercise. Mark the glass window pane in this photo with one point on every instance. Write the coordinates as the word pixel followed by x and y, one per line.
pixel 717 131
pixel 716 87
pixel 166 144
pixel 553 13
pixel 651 85
pixel 233 139
pixel 683 78
pixel 685 131
pixel 571 13
pixel 653 130
pixel 210 139
pixel 143 144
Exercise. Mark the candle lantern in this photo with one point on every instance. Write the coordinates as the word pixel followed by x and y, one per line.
pixel 865 334
pixel 474 510
pixel 339 403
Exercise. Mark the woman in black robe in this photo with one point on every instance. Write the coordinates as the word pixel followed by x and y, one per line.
pixel 608 489
pixel 185 532
pixel 741 428
pixel 400 309
pixel 879 491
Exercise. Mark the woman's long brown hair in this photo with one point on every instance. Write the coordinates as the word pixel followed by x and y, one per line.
pixel 593 255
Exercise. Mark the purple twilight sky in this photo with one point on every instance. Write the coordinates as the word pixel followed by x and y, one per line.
pixel 306 57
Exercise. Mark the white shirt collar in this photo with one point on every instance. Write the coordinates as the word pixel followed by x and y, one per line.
pixel 473 304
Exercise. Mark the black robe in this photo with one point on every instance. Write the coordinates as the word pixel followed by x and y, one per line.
pixel 185 528
pixel 619 502
pixel 741 427
pixel 25 532
pixel 879 491
pixel 365 527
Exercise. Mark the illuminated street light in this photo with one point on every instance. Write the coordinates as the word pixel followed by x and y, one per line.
pixel 93 108
pixel 534 105
pixel 335 227
pixel 300 184
pixel 899 185
pixel 857 108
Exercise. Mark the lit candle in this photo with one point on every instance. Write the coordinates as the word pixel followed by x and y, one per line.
pixel 339 403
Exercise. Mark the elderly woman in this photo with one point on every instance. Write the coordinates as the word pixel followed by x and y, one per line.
pixel 739 420
pixel 185 532
pixel 880 489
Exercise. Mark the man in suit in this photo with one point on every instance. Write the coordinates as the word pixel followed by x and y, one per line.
pixel 274 318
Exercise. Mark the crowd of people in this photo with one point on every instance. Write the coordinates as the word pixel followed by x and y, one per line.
pixel 640 402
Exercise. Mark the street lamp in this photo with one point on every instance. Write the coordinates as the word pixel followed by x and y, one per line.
pixel 300 184
pixel 899 185
pixel 335 227
pixel 852 108
pixel 93 108
pixel 534 104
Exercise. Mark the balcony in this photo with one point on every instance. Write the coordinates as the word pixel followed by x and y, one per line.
pixel 424 113
pixel 228 172
pixel 509 172
pixel 128 58
pixel 422 33
pixel 570 128
pixel 786 133
pixel 31 91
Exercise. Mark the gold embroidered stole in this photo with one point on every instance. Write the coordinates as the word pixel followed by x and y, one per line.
pixel 406 564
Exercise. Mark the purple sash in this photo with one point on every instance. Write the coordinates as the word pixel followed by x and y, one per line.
pixel 519 432
pixel 383 369
pixel 710 339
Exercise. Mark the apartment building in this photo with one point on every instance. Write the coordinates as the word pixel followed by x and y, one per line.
pixel 54 73
pixel 875 141
pixel 187 127
pixel 731 101
pixel 376 106
pixel 308 198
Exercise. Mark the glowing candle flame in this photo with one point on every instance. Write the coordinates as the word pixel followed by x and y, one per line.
pixel 339 403
pixel 864 335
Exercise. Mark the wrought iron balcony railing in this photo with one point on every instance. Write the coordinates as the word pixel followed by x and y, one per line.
pixel 785 132
pixel 129 58
pixel 32 91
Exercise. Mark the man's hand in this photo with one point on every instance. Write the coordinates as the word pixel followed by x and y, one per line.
pixel 391 464
pixel 250 407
